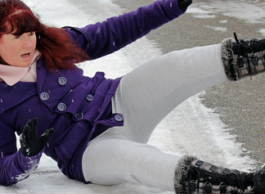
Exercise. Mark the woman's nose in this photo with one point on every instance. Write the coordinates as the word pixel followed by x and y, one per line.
pixel 27 42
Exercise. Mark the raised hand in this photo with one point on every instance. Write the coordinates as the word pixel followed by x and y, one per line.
pixel 30 143
pixel 184 4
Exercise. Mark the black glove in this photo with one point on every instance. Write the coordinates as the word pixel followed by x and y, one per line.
pixel 184 4
pixel 30 143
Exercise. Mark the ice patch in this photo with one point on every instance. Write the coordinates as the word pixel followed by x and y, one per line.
pixel 196 10
pixel 204 16
pixel 222 29
pixel 244 10
pixel 200 13
pixel 223 22
pixel 262 31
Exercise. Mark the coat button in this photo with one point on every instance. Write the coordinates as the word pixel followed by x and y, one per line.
pixel 89 97
pixel 62 81
pixel 61 107
pixel 79 116
pixel 44 96
pixel 118 117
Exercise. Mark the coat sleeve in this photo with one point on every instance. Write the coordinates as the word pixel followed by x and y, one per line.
pixel 101 39
pixel 14 166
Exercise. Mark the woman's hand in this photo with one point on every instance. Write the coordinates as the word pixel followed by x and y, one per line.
pixel 30 143
pixel 184 4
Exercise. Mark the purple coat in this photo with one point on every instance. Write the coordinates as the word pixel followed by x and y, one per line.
pixel 77 107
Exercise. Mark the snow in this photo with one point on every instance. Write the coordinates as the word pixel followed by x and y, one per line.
pixel 262 31
pixel 190 129
pixel 200 13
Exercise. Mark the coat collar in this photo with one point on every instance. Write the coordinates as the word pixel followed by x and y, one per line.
pixel 11 96
pixel 12 75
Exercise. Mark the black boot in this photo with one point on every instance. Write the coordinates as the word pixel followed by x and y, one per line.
pixel 241 58
pixel 193 176
pixel 249 46
pixel 259 181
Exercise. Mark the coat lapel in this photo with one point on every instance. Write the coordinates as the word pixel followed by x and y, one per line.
pixel 11 96
pixel 41 74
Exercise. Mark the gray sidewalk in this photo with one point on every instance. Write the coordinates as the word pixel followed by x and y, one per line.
pixel 240 104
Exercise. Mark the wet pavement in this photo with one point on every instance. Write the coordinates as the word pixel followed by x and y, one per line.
pixel 241 105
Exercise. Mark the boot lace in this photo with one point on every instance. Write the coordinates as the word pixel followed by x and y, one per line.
pixel 247 50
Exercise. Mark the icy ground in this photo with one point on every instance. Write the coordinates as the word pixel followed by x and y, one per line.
pixel 251 11
pixel 190 129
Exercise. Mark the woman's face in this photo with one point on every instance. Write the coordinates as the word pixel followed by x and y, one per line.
pixel 18 50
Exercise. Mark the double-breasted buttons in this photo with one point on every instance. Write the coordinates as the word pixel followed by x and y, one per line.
pixel 89 97
pixel 118 117
pixel 44 96
pixel 79 116
pixel 62 81
pixel 61 107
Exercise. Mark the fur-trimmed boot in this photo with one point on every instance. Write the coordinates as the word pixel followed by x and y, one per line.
pixel 193 176
pixel 242 58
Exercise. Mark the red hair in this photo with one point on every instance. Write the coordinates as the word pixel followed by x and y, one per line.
pixel 58 50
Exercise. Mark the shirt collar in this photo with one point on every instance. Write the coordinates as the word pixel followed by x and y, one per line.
pixel 11 74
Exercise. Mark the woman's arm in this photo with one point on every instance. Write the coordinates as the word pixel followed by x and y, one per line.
pixel 14 166
pixel 101 39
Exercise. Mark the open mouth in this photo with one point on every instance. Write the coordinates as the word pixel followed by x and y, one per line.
pixel 26 55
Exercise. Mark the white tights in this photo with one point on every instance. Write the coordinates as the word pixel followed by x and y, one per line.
pixel 145 96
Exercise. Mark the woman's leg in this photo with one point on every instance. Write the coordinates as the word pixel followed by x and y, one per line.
pixel 145 96
pixel 112 159
pixel 151 91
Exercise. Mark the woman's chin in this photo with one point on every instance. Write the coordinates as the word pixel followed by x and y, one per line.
pixel 22 64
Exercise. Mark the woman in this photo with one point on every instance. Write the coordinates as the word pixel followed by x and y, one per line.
pixel 96 129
